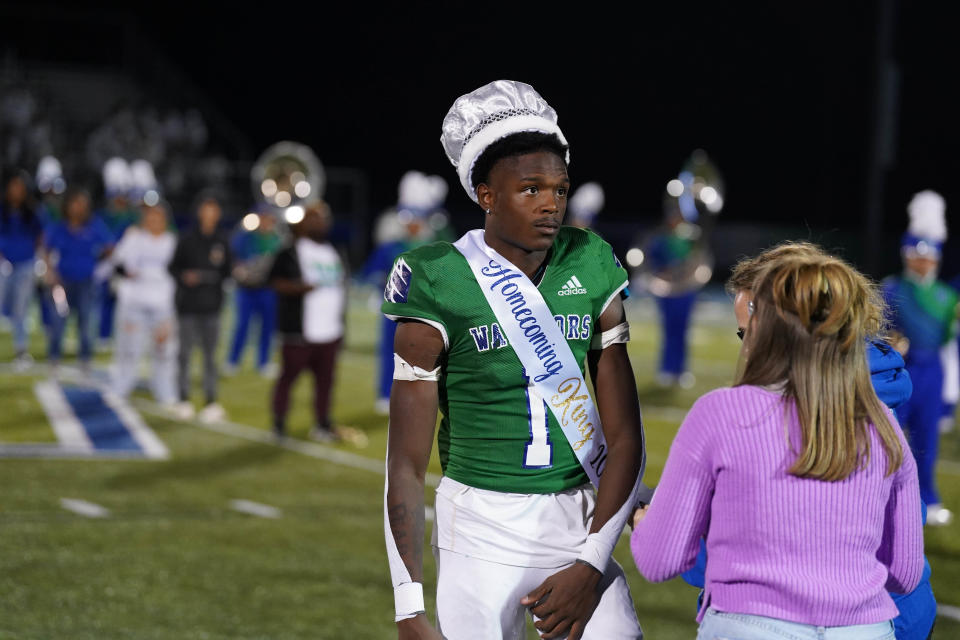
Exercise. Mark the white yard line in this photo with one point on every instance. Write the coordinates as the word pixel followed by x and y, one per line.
pixel 51 451
pixel 70 432
pixel 949 611
pixel 84 508
pixel 312 449
pixel 256 509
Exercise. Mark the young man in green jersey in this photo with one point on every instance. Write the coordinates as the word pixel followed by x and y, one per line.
pixel 495 331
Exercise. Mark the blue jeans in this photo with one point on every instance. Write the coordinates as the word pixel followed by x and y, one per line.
pixel 15 291
pixel 250 302
pixel 717 625
pixel 80 297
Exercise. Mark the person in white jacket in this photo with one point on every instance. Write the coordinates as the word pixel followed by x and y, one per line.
pixel 146 316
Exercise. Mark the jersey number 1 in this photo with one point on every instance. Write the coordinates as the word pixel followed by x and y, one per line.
pixel 539 451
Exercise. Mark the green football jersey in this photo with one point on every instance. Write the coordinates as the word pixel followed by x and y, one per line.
pixel 495 432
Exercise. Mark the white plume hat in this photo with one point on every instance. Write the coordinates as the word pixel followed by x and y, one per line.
pixel 49 171
pixel 587 201
pixel 927 216
pixel 144 178
pixel 492 112
pixel 421 192
pixel 117 176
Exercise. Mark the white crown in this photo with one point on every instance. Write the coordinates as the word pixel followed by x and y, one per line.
pixel 492 112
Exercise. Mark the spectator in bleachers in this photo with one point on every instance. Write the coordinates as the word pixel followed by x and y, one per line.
pixel 74 246
pixel 145 310
pixel 201 264
pixel 254 250
pixel 20 235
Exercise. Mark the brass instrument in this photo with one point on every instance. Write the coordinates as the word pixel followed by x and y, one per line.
pixel 676 258
pixel 285 179
pixel 287 176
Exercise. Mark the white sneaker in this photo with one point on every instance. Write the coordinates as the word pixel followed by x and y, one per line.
pixel 946 424
pixel 22 362
pixel 686 380
pixel 382 406
pixel 319 434
pixel 183 410
pixel 666 380
pixel 938 515
pixel 213 412
pixel 228 370
pixel 269 371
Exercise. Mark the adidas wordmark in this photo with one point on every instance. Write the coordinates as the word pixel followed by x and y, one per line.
pixel 571 288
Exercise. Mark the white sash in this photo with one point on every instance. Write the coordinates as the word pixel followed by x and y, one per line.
pixel 524 316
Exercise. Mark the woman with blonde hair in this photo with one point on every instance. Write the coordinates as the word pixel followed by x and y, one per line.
pixel 798 477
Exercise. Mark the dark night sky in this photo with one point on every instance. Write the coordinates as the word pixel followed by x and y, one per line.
pixel 782 98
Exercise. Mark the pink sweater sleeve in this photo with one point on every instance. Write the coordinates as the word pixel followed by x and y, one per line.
pixel 666 542
pixel 901 548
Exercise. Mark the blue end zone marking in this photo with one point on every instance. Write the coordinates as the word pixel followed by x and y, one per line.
pixel 101 423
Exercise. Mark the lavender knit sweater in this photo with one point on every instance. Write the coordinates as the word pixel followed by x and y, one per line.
pixel 802 550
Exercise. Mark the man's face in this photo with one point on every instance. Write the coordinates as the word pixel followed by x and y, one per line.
pixel 527 200
pixel 209 215
pixel 741 308
pixel 315 223
pixel 154 220
pixel 16 192
pixel 921 266
pixel 78 209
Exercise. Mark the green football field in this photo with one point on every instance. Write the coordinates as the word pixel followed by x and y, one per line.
pixel 173 557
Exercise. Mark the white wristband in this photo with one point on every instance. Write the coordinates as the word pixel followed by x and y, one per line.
pixel 408 600
pixel 597 551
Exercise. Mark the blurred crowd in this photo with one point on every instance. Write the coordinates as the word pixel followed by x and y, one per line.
pixel 174 140
pixel 150 293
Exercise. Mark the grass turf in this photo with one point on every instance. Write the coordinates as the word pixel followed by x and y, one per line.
pixel 174 561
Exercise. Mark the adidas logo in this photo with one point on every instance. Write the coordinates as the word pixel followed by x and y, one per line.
pixel 572 288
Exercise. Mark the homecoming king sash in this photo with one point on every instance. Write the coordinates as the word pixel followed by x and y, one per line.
pixel 533 334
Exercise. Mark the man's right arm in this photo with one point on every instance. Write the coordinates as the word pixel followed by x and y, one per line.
pixel 413 418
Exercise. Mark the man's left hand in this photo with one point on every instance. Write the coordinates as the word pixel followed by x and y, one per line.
pixel 565 601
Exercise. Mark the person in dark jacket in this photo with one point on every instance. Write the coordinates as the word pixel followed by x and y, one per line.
pixel 200 265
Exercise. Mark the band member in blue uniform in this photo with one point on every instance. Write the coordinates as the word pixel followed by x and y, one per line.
pixel 923 316
pixel 407 226
pixel 254 250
